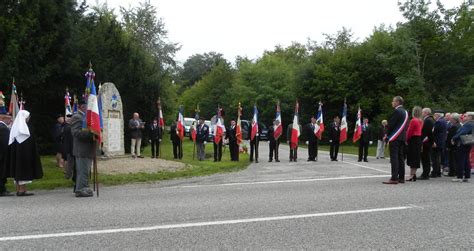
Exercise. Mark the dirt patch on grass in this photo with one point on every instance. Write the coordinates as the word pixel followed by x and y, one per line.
pixel 129 165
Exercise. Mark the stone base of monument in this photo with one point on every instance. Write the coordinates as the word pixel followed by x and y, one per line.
pixel 126 165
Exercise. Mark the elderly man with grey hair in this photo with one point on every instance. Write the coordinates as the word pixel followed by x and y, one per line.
pixel 427 139
pixel 454 125
pixel 136 126
pixel 440 129
pixel 464 165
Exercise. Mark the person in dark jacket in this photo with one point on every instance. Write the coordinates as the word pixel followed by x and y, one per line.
pixel 83 151
pixel 174 137
pixel 254 145
pixel 427 139
pixel 273 141
pixel 312 139
pixel 455 124
pixel 231 137
pixel 67 147
pixel 365 140
pixel 396 136
pixel 23 158
pixel 334 136
pixel 440 129
pixel 58 132
pixel 202 134
pixel 155 134
pixel 5 122
pixel 464 150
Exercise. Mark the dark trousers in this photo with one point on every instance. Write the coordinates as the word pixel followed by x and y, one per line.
pixel 254 150
pixel 3 188
pixel 453 160
pixel 426 159
pixel 155 148
pixel 218 151
pixel 363 150
pixel 334 150
pixel 397 159
pixel 436 161
pixel 177 150
pixel 293 154
pixel 274 149
pixel 234 150
pixel 464 165
pixel 313 150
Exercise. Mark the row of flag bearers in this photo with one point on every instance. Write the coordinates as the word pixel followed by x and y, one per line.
pixel 232 135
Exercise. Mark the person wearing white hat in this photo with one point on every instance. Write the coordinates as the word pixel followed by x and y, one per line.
pixel 23 158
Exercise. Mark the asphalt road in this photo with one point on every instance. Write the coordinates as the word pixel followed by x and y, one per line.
pixel 303 205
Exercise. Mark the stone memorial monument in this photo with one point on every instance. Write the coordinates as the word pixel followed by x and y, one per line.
pixel 112 118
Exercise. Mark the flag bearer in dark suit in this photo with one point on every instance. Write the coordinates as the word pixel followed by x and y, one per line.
pixel 254 146
pixel 231 137
pixel 312 140
pixel 396 136
pixel 156 134
pixel 273 143
pixel 177 154
pixel 365 140
pixel 334 135
pixel 202 134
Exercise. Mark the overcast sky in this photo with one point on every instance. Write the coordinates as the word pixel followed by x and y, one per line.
pixel 249 27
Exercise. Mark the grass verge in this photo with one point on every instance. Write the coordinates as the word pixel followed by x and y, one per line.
pixel 54 177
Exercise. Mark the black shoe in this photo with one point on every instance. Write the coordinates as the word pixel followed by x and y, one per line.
pixel 366 160
pixel 294 160
pixel 433 176
pixel 270 160
pixel 291 160
pixel 402 181
pixel 5 194
pixel 413 178
pixel 423 178
pixel 277 160
pixel 256 161
pixel 309 160
pixel 24 194
pixel 359 160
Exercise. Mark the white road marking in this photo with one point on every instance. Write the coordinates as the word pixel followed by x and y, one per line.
pixel 283 181
pixel 367 167
pixel 198 224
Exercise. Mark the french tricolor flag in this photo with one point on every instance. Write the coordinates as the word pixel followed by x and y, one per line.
pixel 343 135
pixel 320 122
pixel 92 114
pixel 295 130
pixel 358 127
pixel 254 131
pixel 180 126
pixel 278 130
pixel 219 127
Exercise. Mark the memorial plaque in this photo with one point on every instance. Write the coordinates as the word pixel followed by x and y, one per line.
pixel 112 116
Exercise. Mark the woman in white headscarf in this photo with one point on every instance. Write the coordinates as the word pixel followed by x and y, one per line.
pixel 23 159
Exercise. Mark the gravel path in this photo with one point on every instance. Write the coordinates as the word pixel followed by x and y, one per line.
pixel 129 165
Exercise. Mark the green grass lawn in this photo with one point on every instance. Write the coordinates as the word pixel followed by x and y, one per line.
pixel 54 177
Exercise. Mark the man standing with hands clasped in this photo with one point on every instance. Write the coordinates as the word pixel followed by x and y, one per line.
pixel 136 125
pixel 396 137
pixel 156 134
